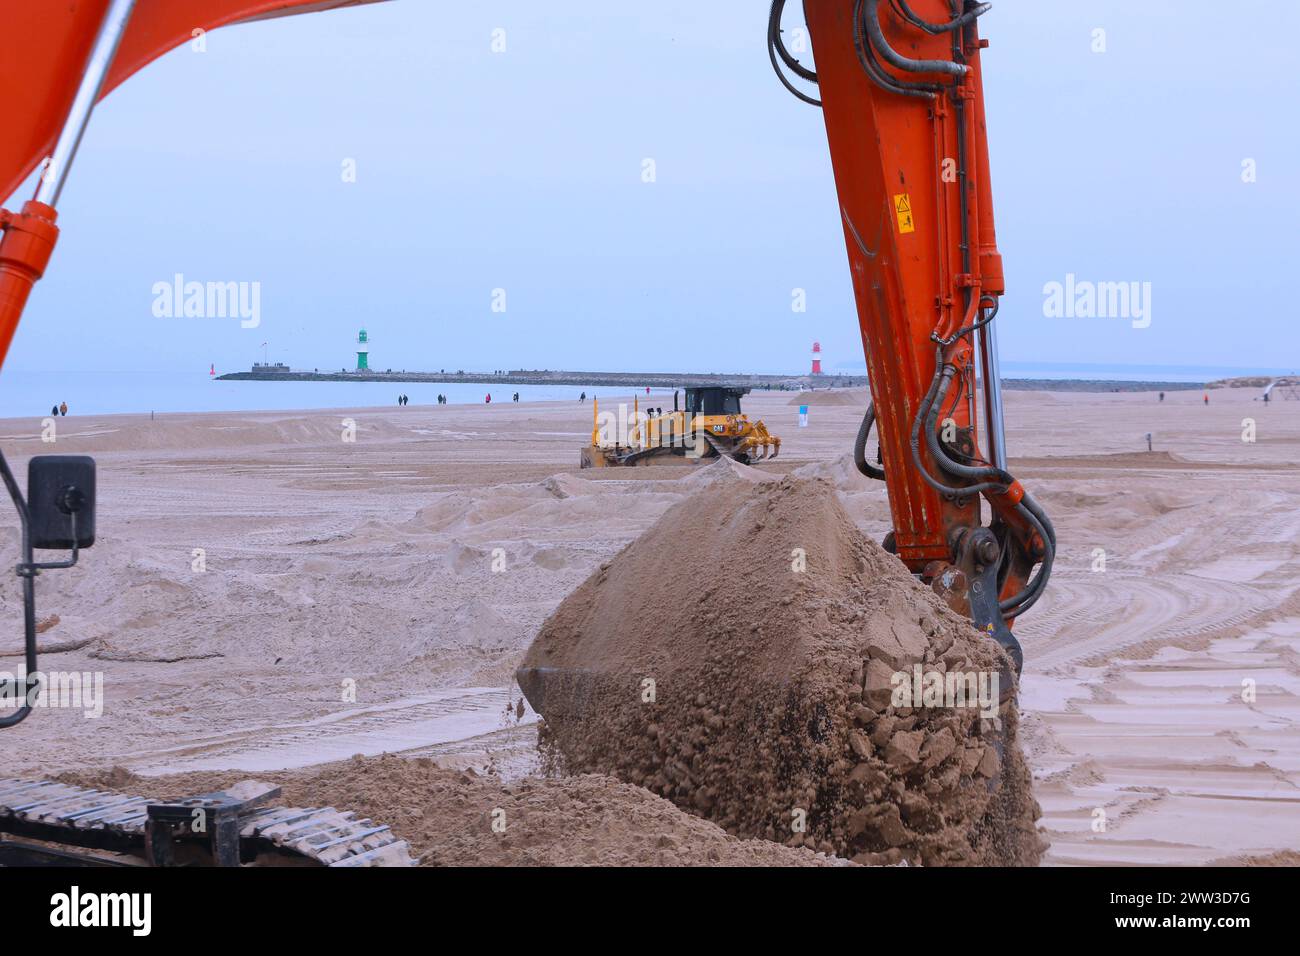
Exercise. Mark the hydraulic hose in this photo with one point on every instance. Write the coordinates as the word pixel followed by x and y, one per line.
pixel 860 446
pixel 774 45
pixel 988 314
pixel 1026 599
pixel 896 59
pixel 999 478
pixel 878 74
pixel 922 413
pixel 1039 521
pixel 1037 511
pixel 935 28
pixel 775 41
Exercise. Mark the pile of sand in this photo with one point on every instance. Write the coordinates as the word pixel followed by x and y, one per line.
pixel 448 816
pixel 840 472
pixel 744 651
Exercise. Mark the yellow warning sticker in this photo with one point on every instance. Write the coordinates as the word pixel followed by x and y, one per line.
pixel 903 207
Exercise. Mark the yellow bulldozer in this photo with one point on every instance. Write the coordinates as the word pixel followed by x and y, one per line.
pixel 710 425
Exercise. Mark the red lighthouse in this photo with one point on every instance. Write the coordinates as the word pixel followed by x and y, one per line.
pixel 817 358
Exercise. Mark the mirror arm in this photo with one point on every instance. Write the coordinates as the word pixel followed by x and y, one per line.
pixel 33 568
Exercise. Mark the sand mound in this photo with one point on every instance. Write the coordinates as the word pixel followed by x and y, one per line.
pixel 841 472
pixel 566 486
pixel 475 624
pixel 744 650
pixel 723 469
pixel 447 815
pixel 839 396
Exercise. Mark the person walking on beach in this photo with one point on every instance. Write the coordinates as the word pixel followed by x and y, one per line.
pixel 488 400
pixel 63 408
pixel 1206 396
pixel 54 410
pixel 1162 396
pixel 582 398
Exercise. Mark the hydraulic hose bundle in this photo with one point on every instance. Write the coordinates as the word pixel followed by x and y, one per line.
pixel 872 45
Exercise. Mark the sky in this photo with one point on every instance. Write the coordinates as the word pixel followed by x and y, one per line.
pixel 478 171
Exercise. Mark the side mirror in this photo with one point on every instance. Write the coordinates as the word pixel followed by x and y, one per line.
pixel 60 487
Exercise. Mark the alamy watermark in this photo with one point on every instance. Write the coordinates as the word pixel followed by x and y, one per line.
pixel 932 688
pixel 1083 299
pixel 627 428
pixel 90 909
pixel 179 299
pixel 62 690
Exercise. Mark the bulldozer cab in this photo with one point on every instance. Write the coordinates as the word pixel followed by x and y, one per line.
pixel 714 400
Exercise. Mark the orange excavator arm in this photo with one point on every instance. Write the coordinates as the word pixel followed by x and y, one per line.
pixel 901 91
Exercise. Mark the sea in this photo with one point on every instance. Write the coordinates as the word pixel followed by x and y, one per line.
pixel 24 392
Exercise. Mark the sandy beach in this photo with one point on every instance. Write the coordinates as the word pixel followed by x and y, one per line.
pixel 266 595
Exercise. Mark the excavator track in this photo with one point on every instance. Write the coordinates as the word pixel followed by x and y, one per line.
pixel 68 815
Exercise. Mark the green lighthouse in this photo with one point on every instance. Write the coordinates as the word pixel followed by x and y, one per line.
pixel 363 351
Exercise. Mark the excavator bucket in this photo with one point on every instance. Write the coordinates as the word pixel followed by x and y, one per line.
pixel 701 665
